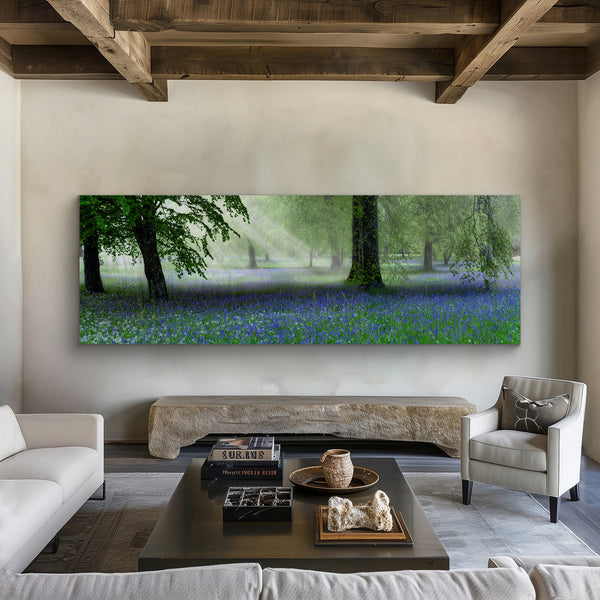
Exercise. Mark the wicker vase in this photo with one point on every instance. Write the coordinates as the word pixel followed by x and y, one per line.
pixel 337 468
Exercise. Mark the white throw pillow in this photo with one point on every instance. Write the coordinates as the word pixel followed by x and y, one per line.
pixel 11 438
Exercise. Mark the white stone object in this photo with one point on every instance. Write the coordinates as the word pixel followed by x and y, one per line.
pixel 177 421
pixel 376 514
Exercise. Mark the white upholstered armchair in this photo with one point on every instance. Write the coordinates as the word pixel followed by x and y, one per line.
pixel 520 460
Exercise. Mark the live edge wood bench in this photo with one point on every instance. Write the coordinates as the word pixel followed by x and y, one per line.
pixel 177 421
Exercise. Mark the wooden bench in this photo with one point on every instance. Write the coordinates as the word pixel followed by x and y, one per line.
pixel 177 421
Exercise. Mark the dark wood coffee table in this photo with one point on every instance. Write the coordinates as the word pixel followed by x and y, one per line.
pixel 191 531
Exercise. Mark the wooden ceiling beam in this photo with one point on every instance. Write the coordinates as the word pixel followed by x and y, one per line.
pixel 6 61
pixel 61 62
pixel 127 51
pixel 308 16
pixel 477 54
pixel 593 59
pixel 28 13
pixel 234 62
pixel 541 64
pixel 431 17
pixel 309 63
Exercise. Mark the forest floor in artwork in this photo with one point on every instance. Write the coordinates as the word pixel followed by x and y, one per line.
pixel 301 306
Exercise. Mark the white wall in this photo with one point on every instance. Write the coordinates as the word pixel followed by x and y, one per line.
pixel 10 243
pixel 290 137
pixel 589 252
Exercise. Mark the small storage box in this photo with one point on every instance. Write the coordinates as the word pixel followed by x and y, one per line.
pixel 258 504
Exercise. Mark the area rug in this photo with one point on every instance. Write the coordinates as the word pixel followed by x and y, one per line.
pixel 497 522
pixel 107 536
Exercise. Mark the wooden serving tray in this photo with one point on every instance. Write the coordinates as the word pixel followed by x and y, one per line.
pixel 399 535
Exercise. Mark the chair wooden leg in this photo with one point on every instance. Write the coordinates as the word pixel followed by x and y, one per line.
pixel 554 506
pixel 467 488
pixel 574 491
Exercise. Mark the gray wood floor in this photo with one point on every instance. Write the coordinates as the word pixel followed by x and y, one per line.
pixel 583 517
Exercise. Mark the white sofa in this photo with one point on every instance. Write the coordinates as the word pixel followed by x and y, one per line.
pixel 50 465
pixel 249 582
pixel 577 581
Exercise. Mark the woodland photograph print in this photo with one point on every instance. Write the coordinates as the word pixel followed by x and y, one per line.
pixel 217 269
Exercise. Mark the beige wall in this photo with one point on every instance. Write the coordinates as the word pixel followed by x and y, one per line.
pixel 10 243
pixel 589 254
pixel 290 137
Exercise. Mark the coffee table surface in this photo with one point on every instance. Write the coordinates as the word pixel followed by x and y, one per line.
pixel 191 531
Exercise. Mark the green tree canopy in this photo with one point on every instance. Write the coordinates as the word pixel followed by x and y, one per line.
pixel 177 228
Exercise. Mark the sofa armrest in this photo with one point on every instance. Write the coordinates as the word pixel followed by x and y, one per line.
pixel 62 429
pixel 481 422
pixel 500 562
pixel 471 426
pixel 564 454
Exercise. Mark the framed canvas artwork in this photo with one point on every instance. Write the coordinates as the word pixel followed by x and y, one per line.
pixel 218 269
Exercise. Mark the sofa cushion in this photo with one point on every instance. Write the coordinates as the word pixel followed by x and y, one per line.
pixel 528 562
pixel 559 582
pixel 69 466
pixel 25 506
pixel 535 416
pixel 11 438
pixel 479 584
pixel 511 448
pixel 221 582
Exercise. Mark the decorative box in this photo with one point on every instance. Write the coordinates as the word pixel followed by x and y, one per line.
pixel 258 504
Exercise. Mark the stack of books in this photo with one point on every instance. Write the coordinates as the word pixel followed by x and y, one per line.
pixel 257 457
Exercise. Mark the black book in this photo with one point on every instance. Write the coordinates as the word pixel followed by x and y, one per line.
pixel 269 470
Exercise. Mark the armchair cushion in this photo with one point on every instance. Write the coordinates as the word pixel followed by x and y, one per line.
pixel 11 438
pixel 510 448
pixel 535 416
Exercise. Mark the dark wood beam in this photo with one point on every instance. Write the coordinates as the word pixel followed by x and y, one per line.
pixel 28 13
pixel 540 63
pixel 567 14
pixel 431 17
pixel 157 91
pixel 306 16
pixel 177 62
pixel 269 62
pixel 61 62
pixel 6 61
pixel 478 54
pixel 593 59
pixel 127 51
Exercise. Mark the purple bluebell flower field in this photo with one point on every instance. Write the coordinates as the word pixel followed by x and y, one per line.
pixel 425 313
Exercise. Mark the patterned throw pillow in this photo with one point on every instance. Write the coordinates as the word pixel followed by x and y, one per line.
pixel 533 416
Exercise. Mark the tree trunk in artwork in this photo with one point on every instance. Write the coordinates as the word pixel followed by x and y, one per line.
pixel 365 269
pixel 91 266
pixel 251 257
pixel 144 230
pixel 428 256
pixel 310 258
pixel 336 259
pixel 357 243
